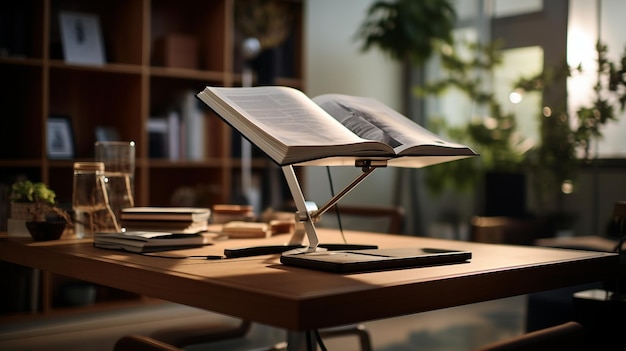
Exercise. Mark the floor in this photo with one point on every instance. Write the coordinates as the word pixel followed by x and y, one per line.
pixel 454 329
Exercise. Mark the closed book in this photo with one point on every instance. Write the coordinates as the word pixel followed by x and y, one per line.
pixel 193 214
pixel 165 226
pixel 147 241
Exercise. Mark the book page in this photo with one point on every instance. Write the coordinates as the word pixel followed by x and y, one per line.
pixel 374 120
pixel 288 115
pixel 287 125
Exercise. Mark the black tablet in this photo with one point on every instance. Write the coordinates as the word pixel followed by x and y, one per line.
pixel 350 261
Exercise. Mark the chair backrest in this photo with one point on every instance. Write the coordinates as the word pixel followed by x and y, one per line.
pixel 508 230
pixel 382 219
pixel 563 337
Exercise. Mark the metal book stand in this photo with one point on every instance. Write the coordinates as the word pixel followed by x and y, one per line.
pixel 308 213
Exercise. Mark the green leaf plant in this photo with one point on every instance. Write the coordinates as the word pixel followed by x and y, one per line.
pixel 41 196
pixel 408 30
pixel 493 135
pixel 563 145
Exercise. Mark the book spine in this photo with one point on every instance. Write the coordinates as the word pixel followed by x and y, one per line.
pixel 173 134
pixel 194 123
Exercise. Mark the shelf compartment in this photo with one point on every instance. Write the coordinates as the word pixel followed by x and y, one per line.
pixel 21 29
pixel 121 23
pixel 204 21
pixel 22 111
pixel 96 98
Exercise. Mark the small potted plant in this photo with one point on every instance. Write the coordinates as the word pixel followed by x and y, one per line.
pixel 35 203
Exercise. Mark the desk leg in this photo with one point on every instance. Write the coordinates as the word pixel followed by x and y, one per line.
pixel 297 341
pixel 34 291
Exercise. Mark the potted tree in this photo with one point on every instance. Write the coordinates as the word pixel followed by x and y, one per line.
pixel 35 203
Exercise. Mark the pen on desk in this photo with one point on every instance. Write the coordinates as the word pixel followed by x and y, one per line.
pixel 193 257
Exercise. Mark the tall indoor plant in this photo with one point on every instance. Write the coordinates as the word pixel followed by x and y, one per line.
pixel 409 31
pixel 565 139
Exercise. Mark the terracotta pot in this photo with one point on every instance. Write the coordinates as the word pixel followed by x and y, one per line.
pixel 44 231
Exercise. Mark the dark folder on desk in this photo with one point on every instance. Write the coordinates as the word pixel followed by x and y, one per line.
pixel 374 260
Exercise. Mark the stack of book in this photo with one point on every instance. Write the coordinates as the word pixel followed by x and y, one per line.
pixel 149 241
pixel 224 213
pixel 165 219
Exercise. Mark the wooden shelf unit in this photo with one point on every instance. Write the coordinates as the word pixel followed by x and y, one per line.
pixel 123 93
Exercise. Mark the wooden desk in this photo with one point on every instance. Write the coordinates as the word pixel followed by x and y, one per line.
pixel 263 290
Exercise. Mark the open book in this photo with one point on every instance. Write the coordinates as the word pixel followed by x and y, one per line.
pixel 328 130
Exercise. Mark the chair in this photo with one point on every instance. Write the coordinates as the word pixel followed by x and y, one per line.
pixel 202 333
pixel 508 230
pixel 563 337
pixel 383 219
pixel 172 339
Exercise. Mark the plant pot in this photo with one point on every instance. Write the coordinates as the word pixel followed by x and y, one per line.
pixel 25 210
pixel 505 194
pixel 44 231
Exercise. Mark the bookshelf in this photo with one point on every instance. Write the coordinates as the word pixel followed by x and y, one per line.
pixel 134 85
pixel 123 93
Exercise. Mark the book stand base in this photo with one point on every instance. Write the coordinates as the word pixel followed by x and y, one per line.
pixel 307 211
pixel 351 260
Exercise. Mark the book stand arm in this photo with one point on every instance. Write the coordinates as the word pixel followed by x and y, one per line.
pixel 306 213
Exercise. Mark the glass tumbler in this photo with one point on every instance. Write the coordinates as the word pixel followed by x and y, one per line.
pixel 118 158
pixel 92 212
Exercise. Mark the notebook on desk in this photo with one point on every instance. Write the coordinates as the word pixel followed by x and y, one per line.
pixel 348 261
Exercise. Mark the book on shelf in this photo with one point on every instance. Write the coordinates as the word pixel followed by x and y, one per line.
pixel 164 136
pixel 163 214
pixel 331 129
pixel 193 120
pixel 147 241
pixel 173 136
pixel 157 137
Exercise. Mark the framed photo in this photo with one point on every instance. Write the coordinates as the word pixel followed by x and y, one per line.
pixel 81 38
pixel 60 139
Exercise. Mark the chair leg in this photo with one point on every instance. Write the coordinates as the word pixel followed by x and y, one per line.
pixel 359 330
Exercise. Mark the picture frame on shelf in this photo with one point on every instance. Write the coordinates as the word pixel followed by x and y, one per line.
pixel 59 137
pixel 81 38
